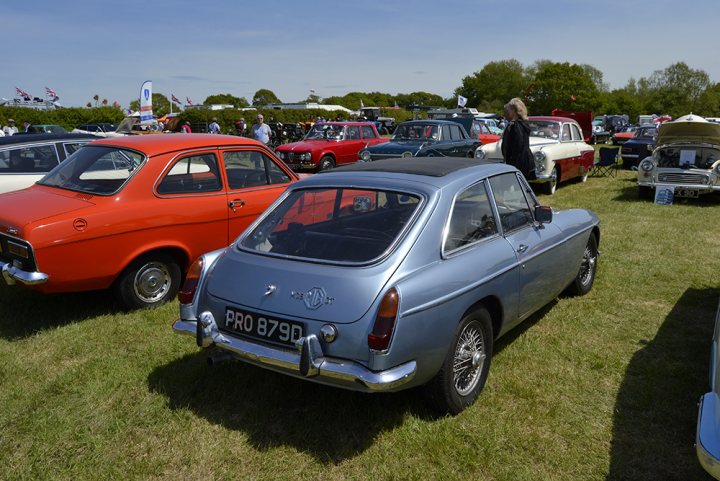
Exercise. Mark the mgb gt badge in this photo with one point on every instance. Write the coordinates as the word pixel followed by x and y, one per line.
pixel 314 298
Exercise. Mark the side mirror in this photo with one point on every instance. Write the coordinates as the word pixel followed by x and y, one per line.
pixel 543 214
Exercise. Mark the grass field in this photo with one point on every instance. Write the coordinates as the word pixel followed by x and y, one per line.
pixel 599 387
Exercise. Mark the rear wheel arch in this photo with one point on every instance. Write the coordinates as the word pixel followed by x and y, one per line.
pixel 181 256
pixel 494 307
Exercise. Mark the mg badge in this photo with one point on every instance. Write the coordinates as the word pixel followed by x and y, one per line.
pixel 315 298
pixel 12 231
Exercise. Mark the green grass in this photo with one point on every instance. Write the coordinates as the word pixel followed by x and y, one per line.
pixel 599 387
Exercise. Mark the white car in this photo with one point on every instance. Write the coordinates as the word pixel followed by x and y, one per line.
pixel 26 158
pixel 686 157
pixel 559 149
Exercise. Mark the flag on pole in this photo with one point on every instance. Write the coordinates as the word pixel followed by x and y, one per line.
pixel 175 99
pixel 22 93
pixel 189 102
pixel 146 112
pixel 51 92
pixel 462 101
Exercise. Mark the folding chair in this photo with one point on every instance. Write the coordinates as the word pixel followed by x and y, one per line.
pixel 607 163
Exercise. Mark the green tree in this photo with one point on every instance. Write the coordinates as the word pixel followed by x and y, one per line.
pixel 676 90
pixel 226 99
pixel 495 84
pixel 709 101
pixel 264 97
pixel 419 98
pixel 563 86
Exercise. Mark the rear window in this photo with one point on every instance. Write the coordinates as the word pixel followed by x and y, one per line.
pixel 95 170
pixel 345 225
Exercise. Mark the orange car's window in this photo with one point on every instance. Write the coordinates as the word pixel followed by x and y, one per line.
pixel 252 168
pixel 192 174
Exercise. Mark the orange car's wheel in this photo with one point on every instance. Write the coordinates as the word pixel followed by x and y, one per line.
pixel 148 281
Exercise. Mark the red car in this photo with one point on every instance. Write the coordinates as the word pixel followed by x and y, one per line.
pixel 329 144
pixel 132 213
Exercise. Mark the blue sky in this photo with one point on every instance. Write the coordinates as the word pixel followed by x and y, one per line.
pixel 198 48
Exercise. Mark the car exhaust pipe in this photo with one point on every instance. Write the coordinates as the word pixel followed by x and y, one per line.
pixel 218 359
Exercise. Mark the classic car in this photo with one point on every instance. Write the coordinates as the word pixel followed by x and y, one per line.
pixel 624 135
pixel 25 159
pixel 132 213
pixel 386 275
pixel 639 146
pixel 45 129
pixel 424 138
pixel 559 149
pixel 329 144
pixel 707 438
pixel 102 129
pixel 686 157
pixel 478 128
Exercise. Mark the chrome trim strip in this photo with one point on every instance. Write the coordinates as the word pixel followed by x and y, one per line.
pixel 707 444
pixel 12 274
pixel 324 369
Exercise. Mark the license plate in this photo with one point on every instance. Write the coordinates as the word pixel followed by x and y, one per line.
pixel 686 193
pixel 265 328
pixel 294 166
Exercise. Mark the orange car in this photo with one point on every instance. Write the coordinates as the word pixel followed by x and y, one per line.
pixel 132 213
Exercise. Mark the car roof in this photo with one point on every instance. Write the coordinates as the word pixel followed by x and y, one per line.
pixel 23 138
pixel 431 121
pixel 154 144
pixel 424 166
pixel 554 118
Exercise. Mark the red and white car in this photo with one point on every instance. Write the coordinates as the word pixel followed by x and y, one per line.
pixel 329 144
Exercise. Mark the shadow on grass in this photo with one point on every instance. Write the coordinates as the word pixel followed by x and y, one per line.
pixel 24 312
pixel 277 410
pixel 272 409
pixel 656 409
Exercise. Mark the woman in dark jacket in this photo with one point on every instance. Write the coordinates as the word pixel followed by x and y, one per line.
pixel 516 139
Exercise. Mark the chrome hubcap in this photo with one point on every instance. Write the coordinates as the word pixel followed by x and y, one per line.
pixel 152 282
pixel 468 360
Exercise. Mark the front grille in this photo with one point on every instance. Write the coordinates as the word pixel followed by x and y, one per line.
pixel 683 178
pixel 294 156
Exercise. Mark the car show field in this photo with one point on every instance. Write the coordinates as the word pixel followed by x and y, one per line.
pixel 603 386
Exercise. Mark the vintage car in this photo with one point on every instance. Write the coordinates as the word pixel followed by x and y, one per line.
pixel 132 213
pixel 101 129
pixel 560 152
pixel 25 159
pixel 707 438
pixel 387 275
pixel 686 157
pixel 478 127
pixel 639 146
pixel 45 129
pixel 424 138
pixel 329 144
pixel 624 135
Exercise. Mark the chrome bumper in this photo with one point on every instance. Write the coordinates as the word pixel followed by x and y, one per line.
pixel 307 362
pixel 13 274
pixel 707 441
pixel 699 187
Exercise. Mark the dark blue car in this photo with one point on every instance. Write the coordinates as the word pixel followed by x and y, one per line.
pixel 424 138
pixel 639 146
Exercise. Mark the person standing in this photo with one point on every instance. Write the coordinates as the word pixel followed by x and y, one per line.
pixel 10 129
pixel 240 126
pixel 516 139
pixel 214 127
pixel 185 128
pixel 261 131
pixel 26 126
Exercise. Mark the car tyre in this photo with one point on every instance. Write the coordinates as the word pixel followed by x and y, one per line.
pixel 326 163
pixel 550 186
pixel 149 281
pixel 585 277
pixel 645 192
pixel 465 369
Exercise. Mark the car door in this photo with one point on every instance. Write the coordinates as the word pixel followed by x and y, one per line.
pixel 569 159
pixel 254 181
pixel 351 145
pixel 536 245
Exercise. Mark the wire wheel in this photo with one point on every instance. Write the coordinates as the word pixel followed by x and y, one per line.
pixel 469 359
pixel 588 265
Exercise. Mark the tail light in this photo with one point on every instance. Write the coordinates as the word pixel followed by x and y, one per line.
pixel 186 294
pixel 379 338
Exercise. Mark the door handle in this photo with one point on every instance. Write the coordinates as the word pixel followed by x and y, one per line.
pixel 234 204
pixel 522 248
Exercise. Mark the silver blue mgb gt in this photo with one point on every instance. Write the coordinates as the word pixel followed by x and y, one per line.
pixel 386 275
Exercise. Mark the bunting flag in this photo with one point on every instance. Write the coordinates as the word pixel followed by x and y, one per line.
pixel 22 93
pixel 462 101
pixel 51 92
pixel 189 102
pixel 175 99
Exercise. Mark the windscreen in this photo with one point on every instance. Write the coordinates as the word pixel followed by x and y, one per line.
pixel 334 224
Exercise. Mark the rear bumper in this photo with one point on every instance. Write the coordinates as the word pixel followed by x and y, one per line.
pixel 707 442
pixel 12 274
pixel 307 362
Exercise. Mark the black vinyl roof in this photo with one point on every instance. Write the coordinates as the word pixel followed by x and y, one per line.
pixel 23 138
pixel 431 166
